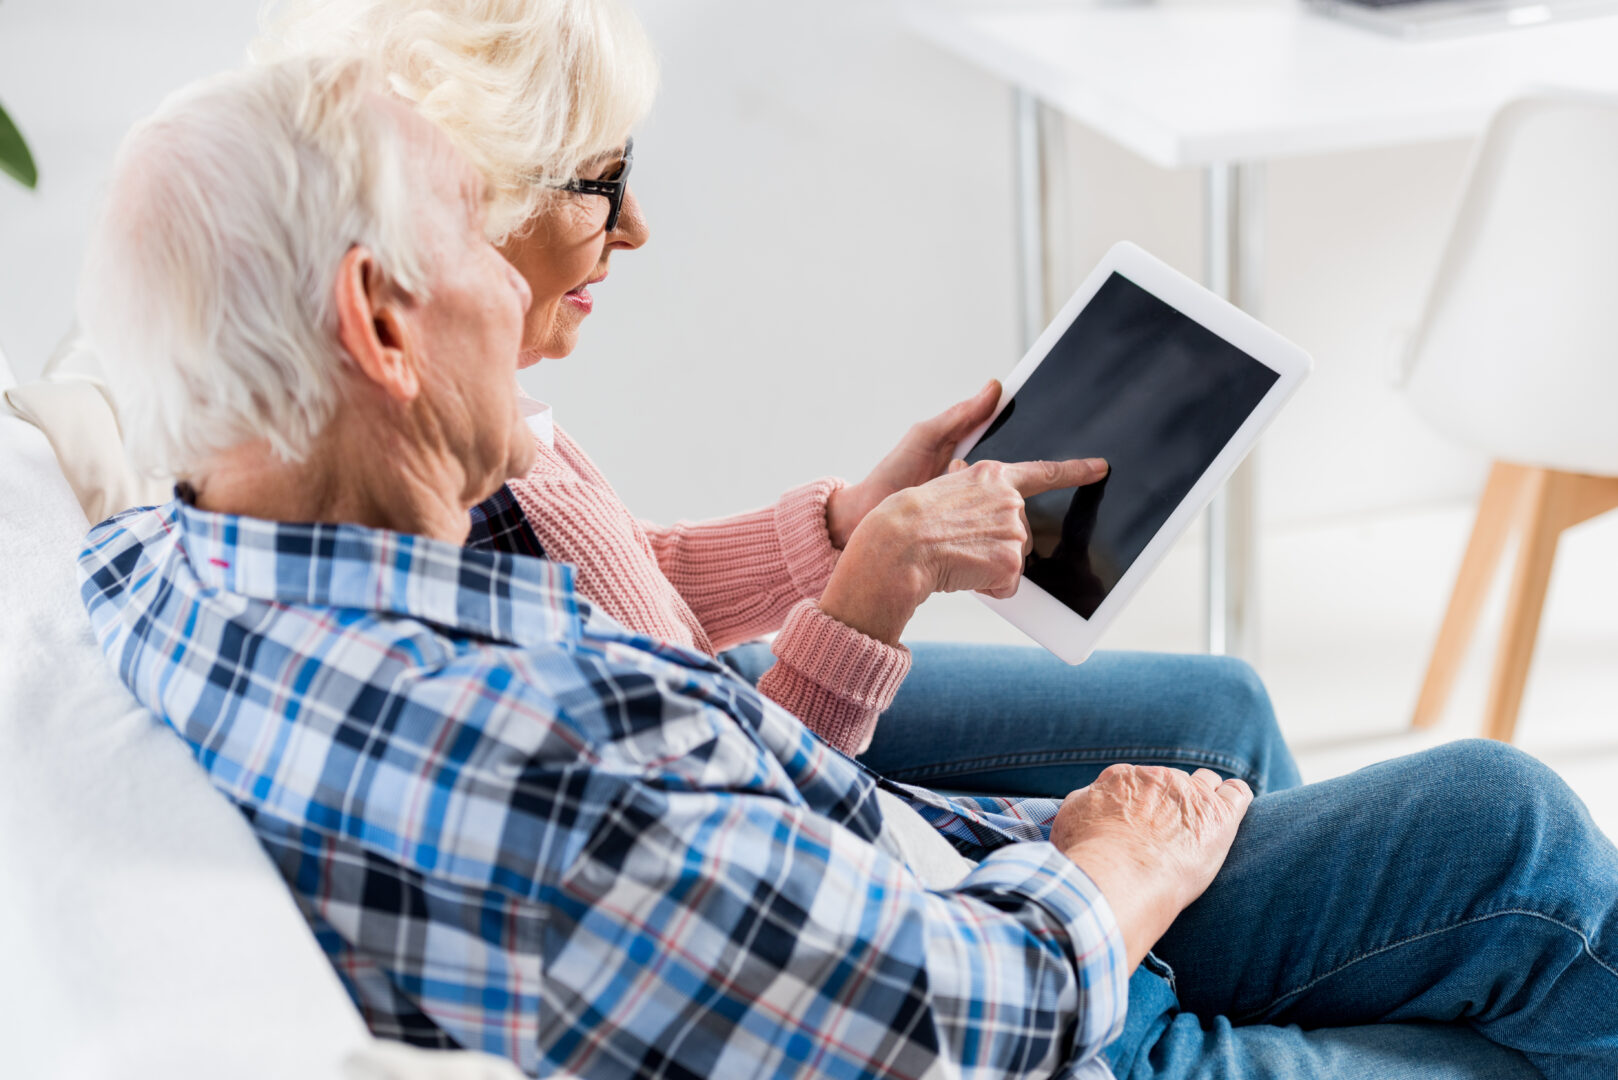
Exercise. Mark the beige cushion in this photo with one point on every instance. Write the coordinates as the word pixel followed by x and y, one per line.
pixel 930 857
pixel 76 414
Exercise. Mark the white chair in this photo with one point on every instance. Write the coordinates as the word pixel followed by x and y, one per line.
pixel 1517 356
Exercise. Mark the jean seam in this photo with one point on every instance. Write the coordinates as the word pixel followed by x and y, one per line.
pixel 1230 764
pixel 1584 942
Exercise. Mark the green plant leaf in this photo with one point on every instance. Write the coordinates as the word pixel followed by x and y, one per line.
pixel 15 160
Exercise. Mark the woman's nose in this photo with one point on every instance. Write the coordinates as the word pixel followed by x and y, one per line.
pixel 631 231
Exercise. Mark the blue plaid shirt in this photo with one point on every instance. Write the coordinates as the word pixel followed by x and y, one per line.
pixel 516 826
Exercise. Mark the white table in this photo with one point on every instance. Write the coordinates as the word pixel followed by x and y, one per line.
pixel 1225 88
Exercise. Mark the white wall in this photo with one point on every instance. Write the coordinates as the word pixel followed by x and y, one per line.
pixel 831 257
pixel 74 74
pixel 1351 241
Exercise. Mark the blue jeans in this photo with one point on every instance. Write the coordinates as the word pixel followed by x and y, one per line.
pixel 1317 952
pixel 1013 720
pixel 1449 914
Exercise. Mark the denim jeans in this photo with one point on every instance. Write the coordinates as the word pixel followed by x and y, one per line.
pixel 1449 914
pixel 1014 720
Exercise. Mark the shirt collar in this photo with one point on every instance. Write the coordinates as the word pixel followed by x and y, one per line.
pixel 540 419
pixel 488 594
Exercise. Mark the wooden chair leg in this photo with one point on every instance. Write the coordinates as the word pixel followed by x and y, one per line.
pixel 1554 502
pixel 1497 513
pixel 1586 497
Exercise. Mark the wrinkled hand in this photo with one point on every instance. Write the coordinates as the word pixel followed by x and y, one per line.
pixel 967 529
pixel 1152 839
pixel 921 455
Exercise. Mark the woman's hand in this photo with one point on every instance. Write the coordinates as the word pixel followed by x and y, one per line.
pixel 921 455
pixel 964 530
pixel 1151 839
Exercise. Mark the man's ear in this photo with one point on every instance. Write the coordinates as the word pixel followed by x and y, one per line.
pixel 372 327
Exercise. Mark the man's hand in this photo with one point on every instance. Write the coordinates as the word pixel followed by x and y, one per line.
pixel 921 455
pixel 964 530
pixel 1152 839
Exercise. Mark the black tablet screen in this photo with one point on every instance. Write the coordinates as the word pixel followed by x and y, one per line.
pixel 1153 392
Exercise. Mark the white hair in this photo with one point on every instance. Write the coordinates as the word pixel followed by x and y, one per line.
pixel 529 89
pixel 208 290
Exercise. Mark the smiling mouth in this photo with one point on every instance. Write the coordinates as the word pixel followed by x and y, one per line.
pixel 580 297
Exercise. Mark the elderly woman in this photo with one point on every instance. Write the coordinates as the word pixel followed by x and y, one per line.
pixel 506 78
pixel 514 824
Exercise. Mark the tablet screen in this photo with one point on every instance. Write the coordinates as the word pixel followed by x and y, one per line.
pixel 1152 391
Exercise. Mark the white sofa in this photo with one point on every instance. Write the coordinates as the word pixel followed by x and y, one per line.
pixel 143 933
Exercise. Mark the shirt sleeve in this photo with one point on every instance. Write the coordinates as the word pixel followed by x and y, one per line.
pixel 741 574
pixel 723 934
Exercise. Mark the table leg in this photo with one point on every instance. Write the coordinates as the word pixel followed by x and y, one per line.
pixel 1029 163
pixel 1231 268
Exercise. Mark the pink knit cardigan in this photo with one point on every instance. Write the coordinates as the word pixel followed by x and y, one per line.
pixel 713 584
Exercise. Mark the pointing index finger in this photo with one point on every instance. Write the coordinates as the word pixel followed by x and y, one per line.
pixel 1034 477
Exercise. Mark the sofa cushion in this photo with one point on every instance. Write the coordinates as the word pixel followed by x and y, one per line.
pixel 76 414
pixel 144 931
pixel 395 1061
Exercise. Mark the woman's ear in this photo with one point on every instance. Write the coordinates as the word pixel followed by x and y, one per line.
pixel 372 328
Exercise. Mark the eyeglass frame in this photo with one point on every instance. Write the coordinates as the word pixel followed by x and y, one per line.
pixel 612 190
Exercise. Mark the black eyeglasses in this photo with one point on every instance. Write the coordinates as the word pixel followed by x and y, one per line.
pixel 612 187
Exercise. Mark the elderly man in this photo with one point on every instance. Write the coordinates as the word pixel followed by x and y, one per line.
pixel 513 825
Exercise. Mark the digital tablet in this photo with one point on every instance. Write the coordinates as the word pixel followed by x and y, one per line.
pixel 1169 383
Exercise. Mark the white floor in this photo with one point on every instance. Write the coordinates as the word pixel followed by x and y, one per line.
pixel 1349 612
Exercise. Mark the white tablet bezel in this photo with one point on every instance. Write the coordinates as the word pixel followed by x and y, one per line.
pixel 1033 610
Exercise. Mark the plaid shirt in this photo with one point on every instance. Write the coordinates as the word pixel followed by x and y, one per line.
pixel 516 826
pixel 498 524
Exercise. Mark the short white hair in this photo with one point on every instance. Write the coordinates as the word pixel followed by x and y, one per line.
pixel 209 287
pixel 529 89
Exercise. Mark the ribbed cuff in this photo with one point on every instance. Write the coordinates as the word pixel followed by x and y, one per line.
pixel 835 679
pixel 855 666
pixel 800 527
